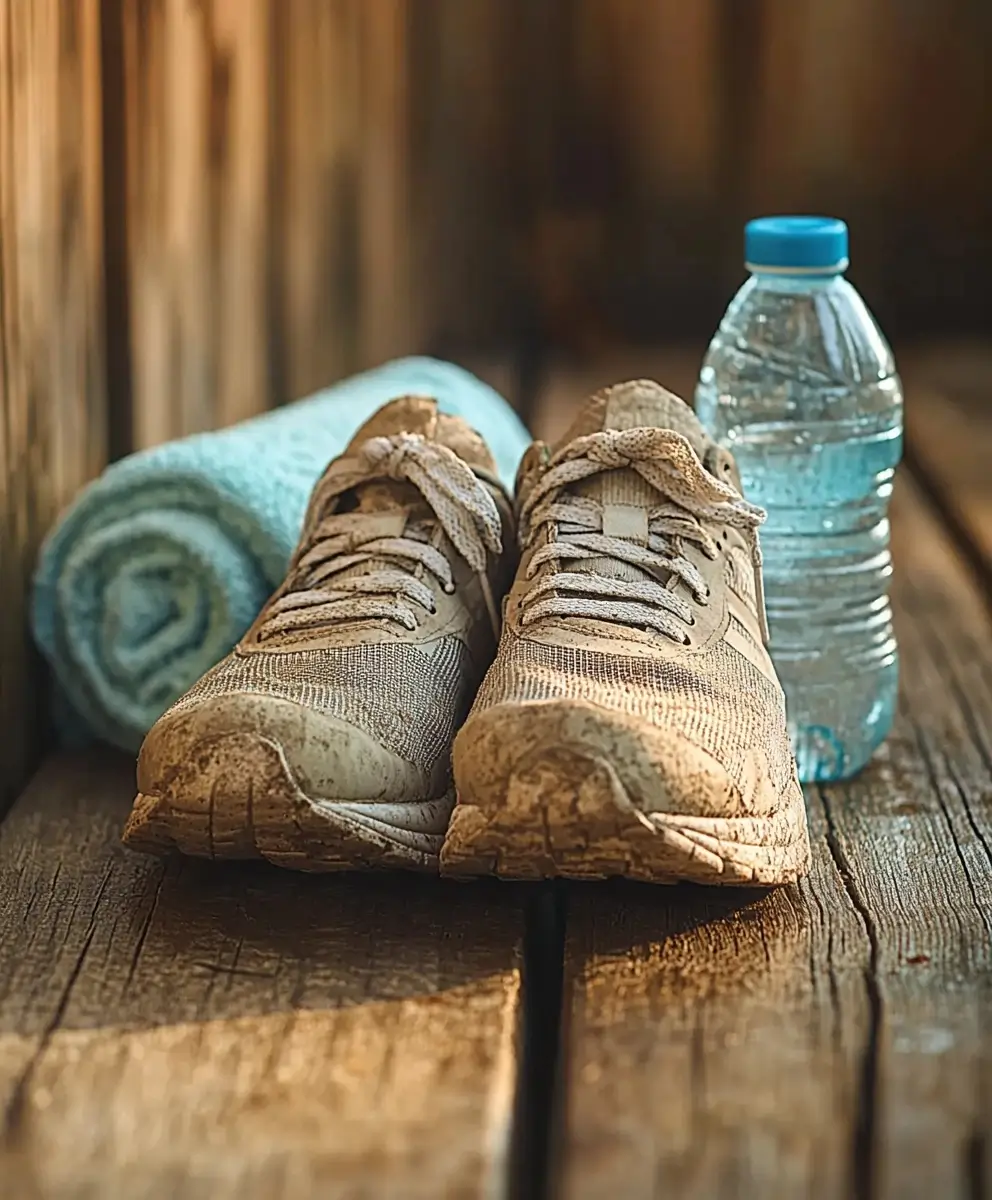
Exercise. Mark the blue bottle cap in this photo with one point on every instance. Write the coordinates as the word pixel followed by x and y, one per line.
pixel 796 245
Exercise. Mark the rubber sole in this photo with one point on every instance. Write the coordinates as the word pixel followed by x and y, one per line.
pixel 234 797
pixel 564 810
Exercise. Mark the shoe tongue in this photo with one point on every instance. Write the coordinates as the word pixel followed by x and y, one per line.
pixel 639 403
pixel 418 415
pixel 388 508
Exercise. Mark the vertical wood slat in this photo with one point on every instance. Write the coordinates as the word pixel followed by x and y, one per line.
pixel 197 84
pixel 385 312
pixel 315 158
pixel 267 202
pixel 652 70
pixel 467 131
pixel 804 134
pixel 52 386
pixel 647 120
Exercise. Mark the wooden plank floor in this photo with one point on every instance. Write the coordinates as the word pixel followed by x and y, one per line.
pixel 198 1031
pixel 189 1031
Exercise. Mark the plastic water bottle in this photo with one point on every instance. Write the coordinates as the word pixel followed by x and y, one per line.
pixel 801 386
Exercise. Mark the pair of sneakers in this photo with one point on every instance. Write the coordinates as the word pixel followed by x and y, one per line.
pixel 577 684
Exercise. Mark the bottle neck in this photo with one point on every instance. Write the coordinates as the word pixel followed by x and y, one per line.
pixel 775 281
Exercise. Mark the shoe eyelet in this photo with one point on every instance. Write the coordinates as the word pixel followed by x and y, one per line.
pixel 448 589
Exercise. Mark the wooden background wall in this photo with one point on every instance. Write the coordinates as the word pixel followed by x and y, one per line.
pixel 210 206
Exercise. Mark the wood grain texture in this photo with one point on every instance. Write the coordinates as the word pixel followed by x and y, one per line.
pixel 184 1029
pixel 466 95
pixel 913 840
pixel 197 96
pixel 830 1040
pixel 315 247
pixel 949 433
pixel 317 185
pixel 268 198
pixel 342 254
pixel 386 313
pixel 52 387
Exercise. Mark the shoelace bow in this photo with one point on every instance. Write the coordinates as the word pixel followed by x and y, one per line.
pixel 389 588
pixel 690 494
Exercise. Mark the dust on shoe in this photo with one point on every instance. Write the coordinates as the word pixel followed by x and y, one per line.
pixel 323 741
pixel 632 723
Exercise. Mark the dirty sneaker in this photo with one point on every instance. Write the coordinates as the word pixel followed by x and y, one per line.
pixel 323 741
pixel 632 723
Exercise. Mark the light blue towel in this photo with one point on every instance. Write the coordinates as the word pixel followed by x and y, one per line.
pixel 161 564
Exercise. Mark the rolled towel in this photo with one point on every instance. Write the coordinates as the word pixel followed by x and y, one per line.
pixel 160 565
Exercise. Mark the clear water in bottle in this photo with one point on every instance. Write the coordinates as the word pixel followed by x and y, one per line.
pixel 801 386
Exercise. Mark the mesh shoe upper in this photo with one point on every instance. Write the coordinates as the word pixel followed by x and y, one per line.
pixel 718 701
pixel 385 623
pixel 410 702
pixel 639 587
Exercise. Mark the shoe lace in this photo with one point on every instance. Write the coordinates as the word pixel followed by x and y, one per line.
pixel 690 496
pixel 323 588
